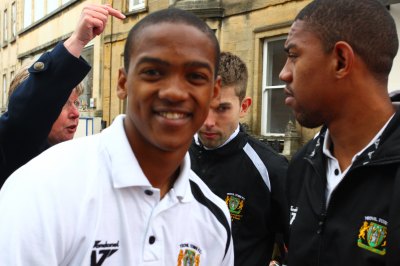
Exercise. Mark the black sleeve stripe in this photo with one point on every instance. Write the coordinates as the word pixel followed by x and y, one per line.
pixel 219 214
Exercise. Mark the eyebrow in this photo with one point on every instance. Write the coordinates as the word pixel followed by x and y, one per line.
pixel 224 104
pixel 199 65
pixel 153 60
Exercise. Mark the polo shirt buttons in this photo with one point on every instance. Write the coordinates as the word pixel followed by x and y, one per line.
pixel 148 192
pixel 336 171
pixel 152 239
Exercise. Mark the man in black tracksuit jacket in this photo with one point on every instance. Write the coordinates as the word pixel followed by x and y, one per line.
pixel 248 174
pixel 343 186
pixel 361 224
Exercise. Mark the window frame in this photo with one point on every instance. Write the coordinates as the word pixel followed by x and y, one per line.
pixel 266 88
pixel 13 20
pixel 4 91
pixel 135 7
pixel 5 26
pixel 30 18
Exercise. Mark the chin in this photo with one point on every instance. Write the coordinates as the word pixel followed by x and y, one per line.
pixel 308 122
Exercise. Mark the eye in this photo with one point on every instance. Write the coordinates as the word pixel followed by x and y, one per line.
pixel 77 104
pixel 197 78
pixel 291 55
pixel 222 108
pixel 150 74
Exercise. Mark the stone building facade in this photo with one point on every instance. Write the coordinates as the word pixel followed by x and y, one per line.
pixel 255 30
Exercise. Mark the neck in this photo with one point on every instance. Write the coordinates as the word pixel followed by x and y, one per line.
pixel 164 174
pixel 352 133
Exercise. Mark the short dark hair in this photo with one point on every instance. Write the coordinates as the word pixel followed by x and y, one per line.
pixel 170 15
pixel 233 72
pixel 366 25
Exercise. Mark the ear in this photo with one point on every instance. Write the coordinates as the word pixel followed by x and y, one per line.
pixel 344 59
pixel 244 106
pixel 121 90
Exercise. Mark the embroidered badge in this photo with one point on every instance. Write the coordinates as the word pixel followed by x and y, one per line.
pixel 189 255
pixel 372 235
pixel 235 204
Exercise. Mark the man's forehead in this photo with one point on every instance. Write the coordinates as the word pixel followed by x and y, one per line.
pixel 154 36
pixel 299 32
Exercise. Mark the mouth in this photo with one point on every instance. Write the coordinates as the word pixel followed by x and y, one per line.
pixel 288 92
pixel 289 96
pixel 208 135
pixel 173 115
pixel 72 129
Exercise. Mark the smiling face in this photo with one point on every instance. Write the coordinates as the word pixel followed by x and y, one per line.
pixel 308 76
pixel 65 126
pixel 169 86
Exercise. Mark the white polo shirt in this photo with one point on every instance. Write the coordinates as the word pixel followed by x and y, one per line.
pixel 87 202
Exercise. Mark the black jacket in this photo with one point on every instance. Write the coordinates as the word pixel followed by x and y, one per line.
pixel 361 225
pixel 257 211
pixel 35 105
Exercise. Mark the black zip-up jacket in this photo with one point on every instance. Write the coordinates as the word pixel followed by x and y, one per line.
pixel 258 210
pixel 361 224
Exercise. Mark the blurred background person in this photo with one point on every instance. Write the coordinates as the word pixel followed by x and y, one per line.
pixel 46 93
pixel 65 126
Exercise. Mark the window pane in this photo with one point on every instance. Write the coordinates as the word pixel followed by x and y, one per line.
pixel 136 4
pixel 87 54
pixel 280 114
pixel 5 26
pixel 51 5
pixel 27 13
pixel 276 61
pixel 38 9
pixel 4 92
pixel 13 19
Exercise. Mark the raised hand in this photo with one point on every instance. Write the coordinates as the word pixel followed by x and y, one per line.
pixel 92 22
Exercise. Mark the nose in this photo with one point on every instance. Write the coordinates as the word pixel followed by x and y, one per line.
pixel 73 112
pixel 210 120
pixel 286 73
pixel 174 91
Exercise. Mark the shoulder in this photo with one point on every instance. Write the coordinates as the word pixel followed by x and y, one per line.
pixel 263 148
pixel 271 158
pixel 203 194
pixel 212 203
pixel 58 168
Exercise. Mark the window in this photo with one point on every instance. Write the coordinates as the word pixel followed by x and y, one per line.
pixel 27 13
pixel 12 75
pixel 51 6
pixel 4 92
pixel 5 26
pixel 275 114
pixel 35 10
pixel 38 9
pixel 87 54
pixel 136 4
pixel 13 20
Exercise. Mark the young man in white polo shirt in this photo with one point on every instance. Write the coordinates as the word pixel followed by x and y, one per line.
pixel 127 196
